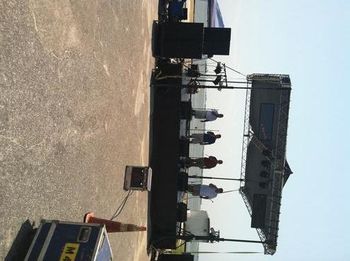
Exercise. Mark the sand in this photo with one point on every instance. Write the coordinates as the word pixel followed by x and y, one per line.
pixel 74 110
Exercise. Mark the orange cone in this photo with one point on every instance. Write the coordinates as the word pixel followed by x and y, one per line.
pixel 112 226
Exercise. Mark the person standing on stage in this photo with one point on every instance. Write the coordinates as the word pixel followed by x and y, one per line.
pixel 204 138
pixel 203 163
pixel 204 191
pixel 207 115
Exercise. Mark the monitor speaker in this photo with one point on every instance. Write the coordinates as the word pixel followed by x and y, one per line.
pixel 173 257
pixel 217 41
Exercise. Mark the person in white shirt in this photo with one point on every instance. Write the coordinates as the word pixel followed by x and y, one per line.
pixel 204 191
pixel 207 115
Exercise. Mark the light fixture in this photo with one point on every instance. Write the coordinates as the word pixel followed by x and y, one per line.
pixel 217 80
pixel 264 174
pixel 218 68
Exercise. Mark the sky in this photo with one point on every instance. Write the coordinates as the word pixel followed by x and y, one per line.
pixel 310 41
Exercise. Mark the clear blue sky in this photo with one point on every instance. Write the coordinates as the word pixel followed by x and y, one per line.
pixel 310 41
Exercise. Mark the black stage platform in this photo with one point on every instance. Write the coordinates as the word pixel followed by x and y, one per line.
pixel 165 150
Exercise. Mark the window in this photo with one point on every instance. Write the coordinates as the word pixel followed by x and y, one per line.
pixel 267 111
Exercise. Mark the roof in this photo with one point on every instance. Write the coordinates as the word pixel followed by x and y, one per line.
pixel 264 166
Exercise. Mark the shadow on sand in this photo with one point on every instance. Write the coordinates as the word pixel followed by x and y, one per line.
pixel 22 242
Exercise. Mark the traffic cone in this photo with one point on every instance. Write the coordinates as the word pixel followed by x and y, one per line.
pixel 112 226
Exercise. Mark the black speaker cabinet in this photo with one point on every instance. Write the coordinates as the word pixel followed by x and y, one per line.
pixel 172 257
pixel 181 212
pixel 259 211
pixel 180 40
pixel 217 41
pixel 182 181
pixel 186 110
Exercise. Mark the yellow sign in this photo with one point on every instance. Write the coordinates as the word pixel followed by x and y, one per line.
pixel 69 252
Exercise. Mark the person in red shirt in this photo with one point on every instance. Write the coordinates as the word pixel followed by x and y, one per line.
pixel 203 163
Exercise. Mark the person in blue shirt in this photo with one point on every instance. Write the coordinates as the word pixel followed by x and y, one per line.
pixel 176 10
pixel 204 138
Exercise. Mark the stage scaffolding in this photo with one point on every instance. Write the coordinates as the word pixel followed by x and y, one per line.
pixel 269 234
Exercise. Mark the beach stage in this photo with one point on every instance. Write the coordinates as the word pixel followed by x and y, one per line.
pixel 165 151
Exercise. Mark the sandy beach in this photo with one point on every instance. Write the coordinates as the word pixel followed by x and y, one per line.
pixel 74 110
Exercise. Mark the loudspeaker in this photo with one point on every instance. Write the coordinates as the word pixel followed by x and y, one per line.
pixel 180 40
pixel 217 41
pixel 172 257
pixel 182 181
pixel 259 211
pixel 181 212
pixel 137 178
pixel 184 147
pixel 186 110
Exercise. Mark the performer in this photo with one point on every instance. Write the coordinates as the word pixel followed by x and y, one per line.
pixel 205 191
pixel 204 138
pixel 207 115
pixel 203 163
